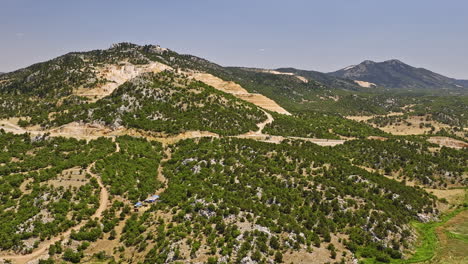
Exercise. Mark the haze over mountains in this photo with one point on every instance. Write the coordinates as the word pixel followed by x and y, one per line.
pixel 396 74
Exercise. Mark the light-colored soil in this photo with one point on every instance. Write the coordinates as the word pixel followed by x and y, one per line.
pixel 94 131
pixel 237 90
pixel 318 255
pixel 322 142
pixel 448 142
pixel 402 128
pixel 365 84
pixel 71 130
pixel 452 250
pixel 414 128
pixel 262 125
pixel 258 135
pixel 124 71
pixel 43 248
pixel 11 124
pixel 107 245
pixel 24 184
pixel 411 183
pixel 453 196
pixel 90 131
pixel 165 139
pixel 218 83
pixel 116 75
pixel 263 102
pixel 279 139
pixel 287 73
pixel 160 176
pixel 69 178
pixel 365 118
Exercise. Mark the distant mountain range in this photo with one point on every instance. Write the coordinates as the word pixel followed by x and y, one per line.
pixel 463 83
pixel 93 75
pixel 396 74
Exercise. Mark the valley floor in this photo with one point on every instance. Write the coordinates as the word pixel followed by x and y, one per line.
pixel 453 240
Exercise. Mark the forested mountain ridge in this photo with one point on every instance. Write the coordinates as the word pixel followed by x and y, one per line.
pixel 65 89
pixel 76 79
pixel 324 78
pixel 398 75
pixel 81 73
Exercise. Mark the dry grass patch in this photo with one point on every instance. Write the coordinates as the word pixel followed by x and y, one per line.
pixel 448 142
pixel 74 177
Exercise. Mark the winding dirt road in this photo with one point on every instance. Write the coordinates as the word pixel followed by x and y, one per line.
pixel 92 131
pixel 43 247
pixel 260 136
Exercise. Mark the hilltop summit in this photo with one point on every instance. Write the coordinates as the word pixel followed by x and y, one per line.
pixel 397 74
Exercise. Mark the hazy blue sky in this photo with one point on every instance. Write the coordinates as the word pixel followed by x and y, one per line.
pixel 320 35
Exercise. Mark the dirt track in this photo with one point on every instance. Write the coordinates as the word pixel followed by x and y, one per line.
pixel 43 247
pixel 93 131
pixel 260 136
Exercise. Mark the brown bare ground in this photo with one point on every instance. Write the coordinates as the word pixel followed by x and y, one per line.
pixel 44 246
pixel 71 130
pixel 287 73
pixel 413 129
pixel 453 196
pixel 448 142
pixel 69 178
pixel 365 118
pixel 116 75
pixel 451 250
pixel 237 90
pixel 318 255
pixel 258 135
pixel 41 251
pixel 93 131
pixel 365 84
pixel 402 128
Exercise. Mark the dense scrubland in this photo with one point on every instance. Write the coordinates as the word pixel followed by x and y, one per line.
pixel 222 200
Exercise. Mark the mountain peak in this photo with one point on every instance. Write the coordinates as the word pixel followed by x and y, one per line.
pixel 131 46
pixel 368 62
pixel 397 74
pixel 394 61
pixel 391 61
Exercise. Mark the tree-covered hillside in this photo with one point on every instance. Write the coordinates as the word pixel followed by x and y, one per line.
pixel 168 103
pixel 239 200
pixel 319 125
pixel 146 186
pixel 45 189
pixel 52 84
pixel 395 74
